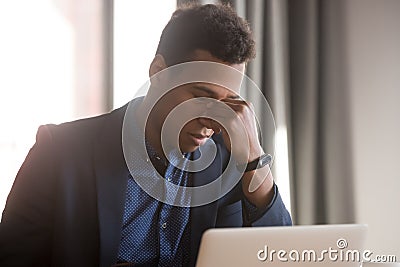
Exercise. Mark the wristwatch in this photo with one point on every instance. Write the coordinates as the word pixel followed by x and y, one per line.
pixel 258 163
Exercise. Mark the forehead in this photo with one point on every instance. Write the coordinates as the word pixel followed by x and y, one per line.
pixel 209 74
pixel 203 55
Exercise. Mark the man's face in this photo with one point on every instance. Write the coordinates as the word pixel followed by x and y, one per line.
pixel 195 132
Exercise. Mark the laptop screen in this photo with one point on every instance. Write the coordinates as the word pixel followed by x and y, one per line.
pixel 318 245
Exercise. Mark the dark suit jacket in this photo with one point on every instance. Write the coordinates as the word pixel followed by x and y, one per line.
pixel 66 204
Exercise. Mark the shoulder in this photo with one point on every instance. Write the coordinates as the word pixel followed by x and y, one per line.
pixel 85 126
pixel 82 131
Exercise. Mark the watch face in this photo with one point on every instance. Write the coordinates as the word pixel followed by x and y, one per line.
pixel 257 163
pixel 264 160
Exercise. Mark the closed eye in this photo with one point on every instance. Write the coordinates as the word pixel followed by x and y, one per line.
pixel 205 91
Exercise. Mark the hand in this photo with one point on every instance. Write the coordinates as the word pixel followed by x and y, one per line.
pixel 235 118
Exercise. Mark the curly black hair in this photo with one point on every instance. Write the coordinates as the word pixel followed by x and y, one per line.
pixel 214 28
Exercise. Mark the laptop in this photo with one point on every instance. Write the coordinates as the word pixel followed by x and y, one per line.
pixel 316 245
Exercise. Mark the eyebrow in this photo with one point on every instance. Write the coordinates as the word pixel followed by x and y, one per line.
pixel 212 93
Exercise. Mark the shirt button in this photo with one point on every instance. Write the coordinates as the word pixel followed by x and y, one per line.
pixel 164 225
pixel 169 179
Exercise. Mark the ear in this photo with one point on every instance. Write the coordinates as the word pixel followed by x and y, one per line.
pixel 158 64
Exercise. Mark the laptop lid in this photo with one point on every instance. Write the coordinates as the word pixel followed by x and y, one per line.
pixel 317 245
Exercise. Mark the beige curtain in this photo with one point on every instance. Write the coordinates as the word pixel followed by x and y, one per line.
pixel 301 68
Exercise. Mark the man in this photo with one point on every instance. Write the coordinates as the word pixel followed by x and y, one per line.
pixel 86 196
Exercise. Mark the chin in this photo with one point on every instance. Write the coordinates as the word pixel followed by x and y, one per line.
pixel 189 149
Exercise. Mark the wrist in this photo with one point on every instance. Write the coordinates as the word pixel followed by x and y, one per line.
pixel 257 163
pixel 255 153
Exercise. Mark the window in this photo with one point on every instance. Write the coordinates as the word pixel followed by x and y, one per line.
pixel 36 80
pixel 137 29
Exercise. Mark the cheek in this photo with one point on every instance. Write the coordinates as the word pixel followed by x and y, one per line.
pixel 170 102
pixel 175 129
pixel 191 126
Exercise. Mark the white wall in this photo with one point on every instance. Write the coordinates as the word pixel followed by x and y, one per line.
pixel 373 43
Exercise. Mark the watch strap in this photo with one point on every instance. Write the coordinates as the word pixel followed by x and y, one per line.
pixel 258 163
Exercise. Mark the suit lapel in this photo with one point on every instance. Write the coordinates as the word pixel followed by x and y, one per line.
pixel 203 217
pixel 111 181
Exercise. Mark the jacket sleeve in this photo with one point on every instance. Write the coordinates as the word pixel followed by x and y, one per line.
pixel 26 226
pixel 274 214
